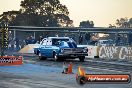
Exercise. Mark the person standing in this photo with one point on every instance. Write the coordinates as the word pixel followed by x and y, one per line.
pixel 17 44
pixel 12 43
pixel 80 39
pixel 27 40
pixel 87 37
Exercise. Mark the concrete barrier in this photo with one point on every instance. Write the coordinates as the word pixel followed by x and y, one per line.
pixel 29 48
pixel 93 51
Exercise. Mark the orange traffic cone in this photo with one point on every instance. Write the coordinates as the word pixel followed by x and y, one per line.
pixel 70 68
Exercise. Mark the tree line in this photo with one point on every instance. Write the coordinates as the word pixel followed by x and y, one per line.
pixel 45 13
pixel 38 13
pixel 49 13
pixel 122 23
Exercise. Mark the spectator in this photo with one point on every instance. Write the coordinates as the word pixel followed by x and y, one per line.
pixel 130 39
pixel 118 39
pixel 12 43
pixel 27 40
pixel 40 38
pixel 80 39
pixel 31 40
pixel 94 39
pixel 87 37
pixel 17 44
pixel 22 43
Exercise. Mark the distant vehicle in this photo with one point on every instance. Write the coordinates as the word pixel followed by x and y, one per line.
pixel 60 48
pixel 105 43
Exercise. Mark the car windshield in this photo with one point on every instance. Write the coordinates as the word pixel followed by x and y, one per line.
pixel 57 41
pixel 68 44
pixel 72 45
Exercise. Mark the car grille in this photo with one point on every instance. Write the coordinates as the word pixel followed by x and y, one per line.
pixel 74 50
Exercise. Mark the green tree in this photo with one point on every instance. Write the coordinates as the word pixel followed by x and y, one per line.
pixel 9 17
pixel 130 22
pixel 87 24
pixel 112 26
pixel 46 12
pixel 123 23
pixel 39 13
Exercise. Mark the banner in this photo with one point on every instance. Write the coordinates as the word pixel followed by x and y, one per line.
pixel 11 60
pixel 82 77
pixel 115 52
pixel 108 78
pixel 93 51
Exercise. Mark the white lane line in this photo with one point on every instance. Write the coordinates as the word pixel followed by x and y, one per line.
pixel 48 84
pixel 105 69
pixel 29 61
pixel 14 85
pixel 110 63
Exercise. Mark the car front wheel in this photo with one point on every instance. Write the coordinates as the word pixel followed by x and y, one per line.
pixel 55 56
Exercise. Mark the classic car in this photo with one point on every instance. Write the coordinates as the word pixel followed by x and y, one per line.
pixel 60 48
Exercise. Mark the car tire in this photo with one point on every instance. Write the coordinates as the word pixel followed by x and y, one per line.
pixel 41 57
pixel 82 58
pixel 55 56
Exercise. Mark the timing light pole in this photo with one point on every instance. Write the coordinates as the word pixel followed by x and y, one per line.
pixel 4 38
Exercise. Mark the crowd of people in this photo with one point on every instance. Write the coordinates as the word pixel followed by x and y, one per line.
pixel 30 40
pixel 16 43
pixel 88 38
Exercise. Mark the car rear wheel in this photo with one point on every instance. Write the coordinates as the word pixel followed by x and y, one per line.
pixel 41 57
pixel 55 56
pixel 82 58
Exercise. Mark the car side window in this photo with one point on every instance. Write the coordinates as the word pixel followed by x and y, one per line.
pixel 43 42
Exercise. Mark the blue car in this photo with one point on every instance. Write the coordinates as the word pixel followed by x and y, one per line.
pixel 60 48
